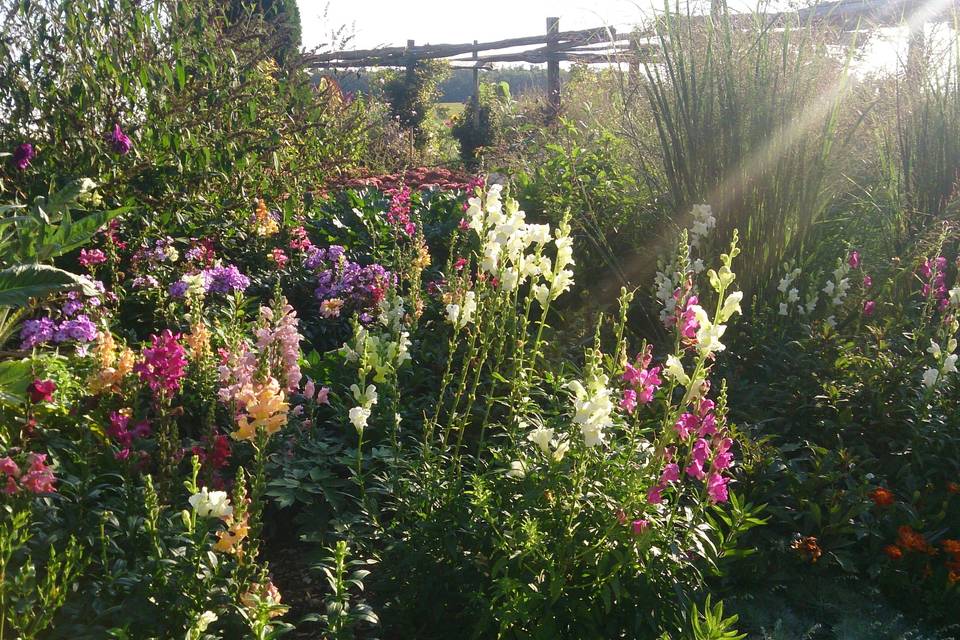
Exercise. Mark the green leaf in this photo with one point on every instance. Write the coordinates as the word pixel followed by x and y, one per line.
pixel 22 282
pixel 14 378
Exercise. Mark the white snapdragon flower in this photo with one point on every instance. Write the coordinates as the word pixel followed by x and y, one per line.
pixel 359 417
pixel 731 306
pixel 517 470
pixel 460 315
pixel 211 504
pixel 934 350
pixel 538 233
pixel 955 296
pixel 783 308
pixel 930 377
pixel 541 436
pixel 673 368
pixel 950 363
pixel 593 408
pixel 793 295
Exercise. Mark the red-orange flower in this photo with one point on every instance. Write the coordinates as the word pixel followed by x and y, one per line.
pixel 953 487
pixel 882 497
pixel 910 540
pixel 893 552
pixel 953 577
pixel 952 547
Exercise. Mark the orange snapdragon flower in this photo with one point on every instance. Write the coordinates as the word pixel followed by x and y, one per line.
pixel 230 538
pixel 893 552
pixel 113 367
pixel 266 407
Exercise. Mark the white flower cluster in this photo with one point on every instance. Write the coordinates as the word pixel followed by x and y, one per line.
pixel 460 315
pixel 507 242
pixel 593 406
pixel 366 399
pixel 554 448
pixel 946 362
pixel 668 276
pixel 792 294
pixel 703 222
pixel 837 288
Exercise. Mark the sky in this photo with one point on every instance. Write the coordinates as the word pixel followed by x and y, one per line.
pixel 393 22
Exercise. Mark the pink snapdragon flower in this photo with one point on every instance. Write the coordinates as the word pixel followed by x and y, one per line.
pixel 868 308
pixel 854 259
pixel 867 282
pixel 39 477
pixel 722 458
pixel 671 473
pixel 688 320
pixel 655 494
pixel 629 401
pixel 639 526
pixel 686 424
pixel 91 257
pixel 717 487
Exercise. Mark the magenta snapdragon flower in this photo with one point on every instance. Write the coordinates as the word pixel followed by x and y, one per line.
pixel 164 363
pixel 868 308
pixel 119 141
pixel 23 155
pixel 854 259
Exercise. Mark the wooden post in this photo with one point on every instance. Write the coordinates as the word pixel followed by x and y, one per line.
pixel 476 89
pixel 553 71
pixel 634 63
pixel 411 61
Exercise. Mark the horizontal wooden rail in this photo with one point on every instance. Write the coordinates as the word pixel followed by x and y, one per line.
pixel 399 55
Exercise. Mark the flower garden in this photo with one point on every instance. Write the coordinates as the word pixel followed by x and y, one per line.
pixel 268 369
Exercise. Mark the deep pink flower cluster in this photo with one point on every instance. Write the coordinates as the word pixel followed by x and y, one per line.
pixel 217 452
pixel 38 478
pixel 123 436
pixel 934 276
pixel 41 390
pixel 643 380
pixel 91 257
pixel 399 212
pixel 709 454
pixel 164 363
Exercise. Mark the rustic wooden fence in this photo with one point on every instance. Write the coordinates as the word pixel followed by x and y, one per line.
pixel 605 45
pixel 585 46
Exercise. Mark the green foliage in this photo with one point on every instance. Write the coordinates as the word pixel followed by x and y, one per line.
pixel 481 123
pixel 411 94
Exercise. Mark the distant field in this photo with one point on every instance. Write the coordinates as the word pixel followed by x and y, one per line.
pixel 452 108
